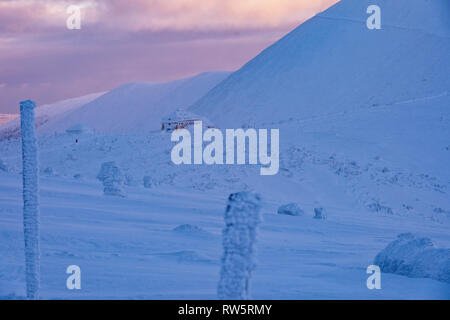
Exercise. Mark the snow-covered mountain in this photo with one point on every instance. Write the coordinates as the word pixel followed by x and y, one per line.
pixel 333 63
pixel 137 107
pixel 364 123
pixel 5 118
pixel 47 113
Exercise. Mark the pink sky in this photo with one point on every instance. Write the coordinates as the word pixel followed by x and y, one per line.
pixel 131 40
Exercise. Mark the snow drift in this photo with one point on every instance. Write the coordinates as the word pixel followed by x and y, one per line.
pixel 415 257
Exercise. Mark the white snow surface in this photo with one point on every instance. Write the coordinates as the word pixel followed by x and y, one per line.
pixel 378 173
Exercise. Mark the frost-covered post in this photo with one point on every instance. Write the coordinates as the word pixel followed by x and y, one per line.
pixel 112 178
pixel 241 220
pixel 30 198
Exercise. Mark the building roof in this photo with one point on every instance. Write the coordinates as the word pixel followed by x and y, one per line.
pixel 181 115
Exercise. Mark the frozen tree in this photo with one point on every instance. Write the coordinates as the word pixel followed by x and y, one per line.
pixel 112 179
pixel 238 261
pixel 148 182
pixel 30 198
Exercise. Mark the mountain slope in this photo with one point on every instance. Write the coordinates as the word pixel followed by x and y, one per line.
pixel 333 63
pixel 47 113
pixel 137 107
pixel 5 118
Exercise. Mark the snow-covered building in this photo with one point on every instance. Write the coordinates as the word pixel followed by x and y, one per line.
pixel 181 119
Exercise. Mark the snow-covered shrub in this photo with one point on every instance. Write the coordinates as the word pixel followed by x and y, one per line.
pixel 49 171
pixel 290 209
pixel 346 168
pixel 241 220
pixel 148 182
pixel 376 206
pixel 151 181
pixel 189 229
pixel 415 257
pixel 168 179
pixel 129 180
pixel 30 198
pixel 320 213
pixel 112 179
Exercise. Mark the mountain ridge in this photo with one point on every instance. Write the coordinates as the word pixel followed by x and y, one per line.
pixel 329 65
pixel 137 106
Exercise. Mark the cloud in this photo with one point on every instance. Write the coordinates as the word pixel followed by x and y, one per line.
pixel 37 16
pixel 33 16
pixel 209 14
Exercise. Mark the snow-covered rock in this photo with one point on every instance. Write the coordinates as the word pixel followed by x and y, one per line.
pixel 290 209
pixel 415 257
pixel 149 182
pixel 189 229
pixel 112 178
pixel 49 171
